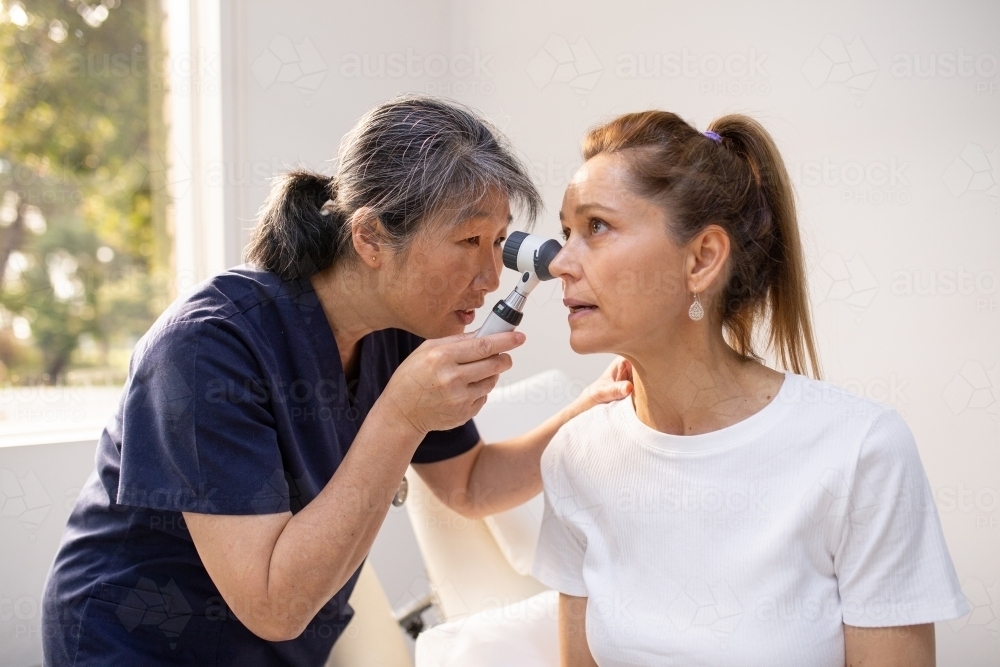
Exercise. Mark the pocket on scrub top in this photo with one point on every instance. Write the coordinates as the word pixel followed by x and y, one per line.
pixel 144 625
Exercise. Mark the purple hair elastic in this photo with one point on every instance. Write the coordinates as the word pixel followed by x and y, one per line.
pixel 713 136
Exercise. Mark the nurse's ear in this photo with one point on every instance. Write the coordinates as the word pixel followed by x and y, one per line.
pixel 368 237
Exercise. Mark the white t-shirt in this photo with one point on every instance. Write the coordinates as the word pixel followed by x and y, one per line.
pixel 749 545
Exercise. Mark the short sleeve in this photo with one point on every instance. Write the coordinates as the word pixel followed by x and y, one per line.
pixel 562 546
pixel 892 565
pixel 197 431
pixel 441 445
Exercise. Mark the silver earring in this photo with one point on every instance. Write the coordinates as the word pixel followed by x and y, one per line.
pixel 696 312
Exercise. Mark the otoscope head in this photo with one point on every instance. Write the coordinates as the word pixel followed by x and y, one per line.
pixel 530 253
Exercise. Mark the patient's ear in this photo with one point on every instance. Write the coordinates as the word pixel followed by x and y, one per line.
pixel 706 258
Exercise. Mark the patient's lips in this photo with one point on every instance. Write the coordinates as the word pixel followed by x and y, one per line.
pixel 578 308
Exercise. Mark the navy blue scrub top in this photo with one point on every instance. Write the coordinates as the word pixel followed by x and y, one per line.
pixel 235 403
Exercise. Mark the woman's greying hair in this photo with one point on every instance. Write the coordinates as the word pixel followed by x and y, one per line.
pixel 741 184
pixel 411 159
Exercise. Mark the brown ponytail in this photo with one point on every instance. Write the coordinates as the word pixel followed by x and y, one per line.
pixel 740 183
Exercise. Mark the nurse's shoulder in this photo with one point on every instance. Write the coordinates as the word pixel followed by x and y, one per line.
pixel 214 303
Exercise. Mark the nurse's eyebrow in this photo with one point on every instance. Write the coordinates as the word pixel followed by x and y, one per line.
pixel 477 214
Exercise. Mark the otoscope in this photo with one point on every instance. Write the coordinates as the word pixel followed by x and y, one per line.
pixel 530 255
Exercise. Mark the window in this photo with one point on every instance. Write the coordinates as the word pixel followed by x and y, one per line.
pixel 85 248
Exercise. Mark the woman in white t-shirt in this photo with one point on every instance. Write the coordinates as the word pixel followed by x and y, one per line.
pixel 725 513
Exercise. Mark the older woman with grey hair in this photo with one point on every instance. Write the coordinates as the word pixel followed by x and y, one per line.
pixel 269 416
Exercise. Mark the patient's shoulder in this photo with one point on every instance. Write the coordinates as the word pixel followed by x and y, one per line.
pixel 596 421
pixel 571 444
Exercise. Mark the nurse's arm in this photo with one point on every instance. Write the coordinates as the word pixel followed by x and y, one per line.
pixel 902 646
pixel 275 571
pixel 493 478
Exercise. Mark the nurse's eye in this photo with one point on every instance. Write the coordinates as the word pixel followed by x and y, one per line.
pixel 564 233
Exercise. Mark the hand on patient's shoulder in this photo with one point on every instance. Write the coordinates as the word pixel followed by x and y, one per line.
pixel 614 384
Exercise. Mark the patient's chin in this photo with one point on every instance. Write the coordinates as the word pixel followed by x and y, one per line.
pixel 587 343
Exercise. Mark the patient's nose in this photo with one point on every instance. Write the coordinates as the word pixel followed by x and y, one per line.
pixel 562 265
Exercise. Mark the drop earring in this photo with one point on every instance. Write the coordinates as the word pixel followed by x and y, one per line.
pixel 696 312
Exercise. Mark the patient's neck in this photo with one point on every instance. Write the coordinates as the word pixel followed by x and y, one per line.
pixel 692 385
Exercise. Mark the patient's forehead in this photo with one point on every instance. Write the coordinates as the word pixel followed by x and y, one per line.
pixel 604 183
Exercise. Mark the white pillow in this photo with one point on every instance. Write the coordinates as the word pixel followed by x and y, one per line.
pixel 525 634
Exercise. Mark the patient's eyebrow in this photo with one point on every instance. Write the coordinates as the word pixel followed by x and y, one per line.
pixel 583 208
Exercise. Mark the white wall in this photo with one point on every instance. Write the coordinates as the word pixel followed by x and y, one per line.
pixel 38 486
pixel 896 171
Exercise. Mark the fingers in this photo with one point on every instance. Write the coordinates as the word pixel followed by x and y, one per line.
pixel 477 370
pixel 483 387
pixel 468 350
pixel 622 370
pixel 453 375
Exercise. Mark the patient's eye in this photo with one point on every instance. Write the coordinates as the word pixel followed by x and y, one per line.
pixel 474 240
pixel 500 241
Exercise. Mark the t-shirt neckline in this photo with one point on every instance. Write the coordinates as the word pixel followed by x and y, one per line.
pixel 723 438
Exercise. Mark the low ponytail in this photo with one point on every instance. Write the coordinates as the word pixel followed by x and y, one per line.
pixel 732 176
pixel 781 264
pixel 296 235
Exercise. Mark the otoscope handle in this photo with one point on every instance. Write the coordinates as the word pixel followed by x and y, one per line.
pixel 501 318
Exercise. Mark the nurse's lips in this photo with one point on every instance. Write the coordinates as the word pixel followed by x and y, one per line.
pixel 466 316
